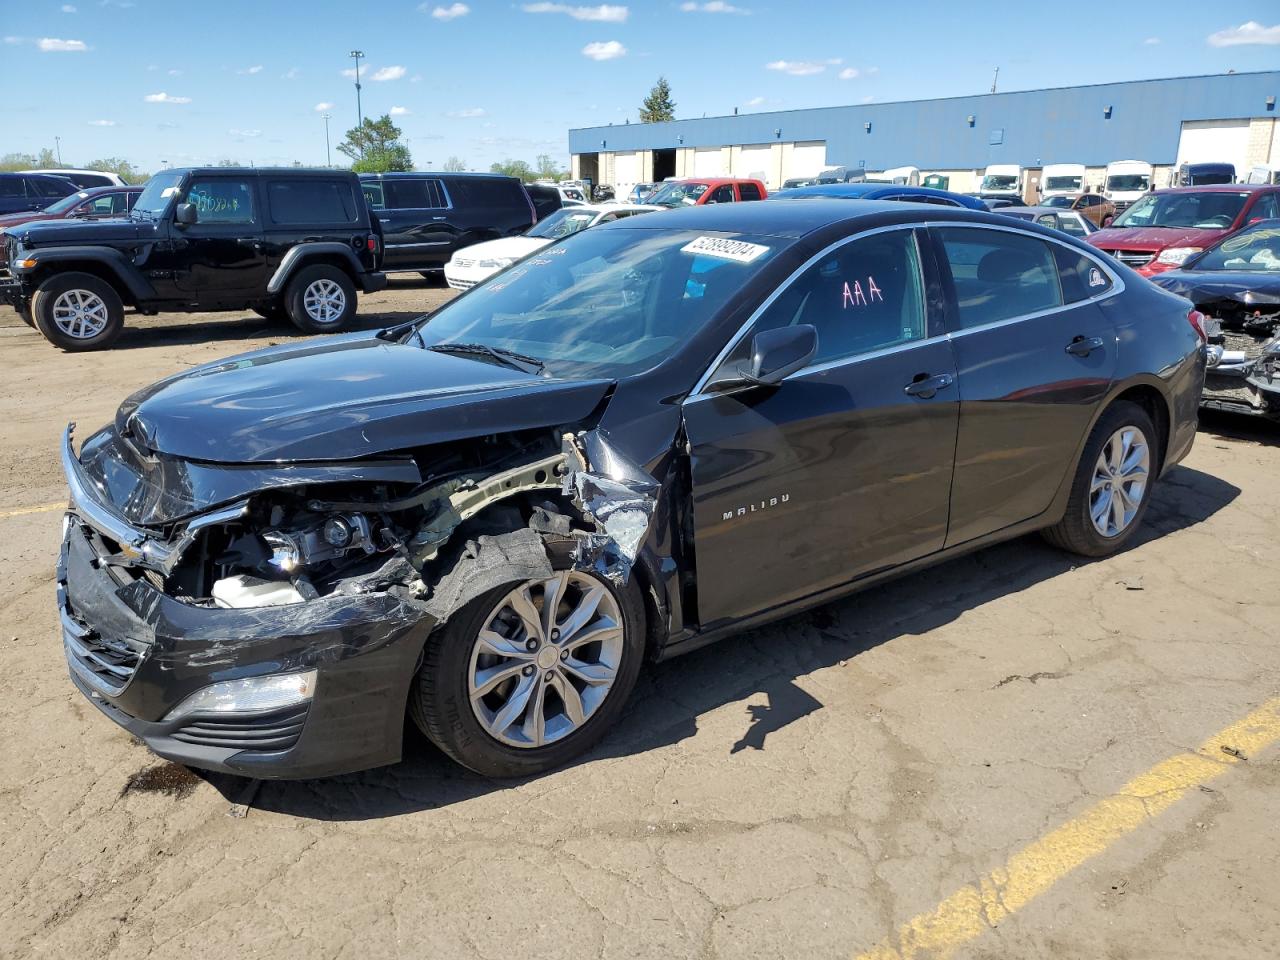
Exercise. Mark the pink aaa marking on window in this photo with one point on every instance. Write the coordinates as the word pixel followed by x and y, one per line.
pixel 854 296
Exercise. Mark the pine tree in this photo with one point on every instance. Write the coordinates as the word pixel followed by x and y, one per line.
pixel 658 105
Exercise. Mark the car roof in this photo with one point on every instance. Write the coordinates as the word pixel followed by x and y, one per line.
pixel 872 191
pixel 1015 210
pixel 258 171
pixel 713 181
pixel 1220 188
pixel 460 174
pixel 612 207
pixel 797 218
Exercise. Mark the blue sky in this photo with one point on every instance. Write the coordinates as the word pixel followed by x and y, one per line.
pixel 484 80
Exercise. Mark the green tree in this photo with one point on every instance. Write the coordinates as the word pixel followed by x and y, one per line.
pixel 514 168
pixel 548 169
pixel 454 165
pixel 17 161
pixel 122 168
pixel 375 147
pixel 658 106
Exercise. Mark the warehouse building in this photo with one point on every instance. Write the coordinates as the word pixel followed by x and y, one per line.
pixel 1228 118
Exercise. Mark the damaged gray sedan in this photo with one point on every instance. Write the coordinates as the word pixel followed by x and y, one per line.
pixel 621 448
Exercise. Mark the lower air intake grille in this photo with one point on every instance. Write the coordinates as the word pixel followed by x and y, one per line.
pixel 277 730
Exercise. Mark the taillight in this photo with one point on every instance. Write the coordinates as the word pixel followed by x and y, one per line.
pixel 372 243
pixel 1196 319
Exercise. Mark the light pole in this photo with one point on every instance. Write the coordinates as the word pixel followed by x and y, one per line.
pixel 356 55
pixel 57 147
pixel 328 162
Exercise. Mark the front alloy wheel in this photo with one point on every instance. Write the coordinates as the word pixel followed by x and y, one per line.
pixel 545 659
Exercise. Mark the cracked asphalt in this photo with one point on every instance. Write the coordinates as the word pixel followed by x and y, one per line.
pixel 800 790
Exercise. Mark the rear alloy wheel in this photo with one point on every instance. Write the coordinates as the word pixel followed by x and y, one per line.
pixel 78 312
pixel 320 299
pixel 531 674
pixel 1112 485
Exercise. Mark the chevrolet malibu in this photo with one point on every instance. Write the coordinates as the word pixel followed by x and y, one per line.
pixel 640 440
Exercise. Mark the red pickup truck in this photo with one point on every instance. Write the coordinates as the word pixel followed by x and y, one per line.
pixel 1165 228
pixel 696 191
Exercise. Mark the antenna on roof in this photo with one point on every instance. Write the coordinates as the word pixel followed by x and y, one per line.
pixel 994 79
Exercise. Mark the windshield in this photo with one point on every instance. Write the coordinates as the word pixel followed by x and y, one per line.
pixel 1056 202
pixel 563 222
pixel 1001 181
pixel 1210 211
pixel 66 203
pixel 604 303
pixel 1256 249
pixel 155 196
pixel 678 194
pixel 1128 182
pixel 1063 183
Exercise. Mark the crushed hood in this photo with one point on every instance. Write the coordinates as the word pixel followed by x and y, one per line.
pixel 343 398
pixel 1249 287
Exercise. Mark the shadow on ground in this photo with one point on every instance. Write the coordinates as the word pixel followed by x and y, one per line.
pixel 671 696
pixel 1220 425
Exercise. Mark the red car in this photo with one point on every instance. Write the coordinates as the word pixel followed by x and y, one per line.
pixel 1165 228
pixel 97 203
pixel 696 191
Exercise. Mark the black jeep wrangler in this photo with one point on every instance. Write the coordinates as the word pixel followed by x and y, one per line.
pixel 293 243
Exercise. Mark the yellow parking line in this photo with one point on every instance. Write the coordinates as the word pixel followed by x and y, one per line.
pixel 43 508
pixel 976 908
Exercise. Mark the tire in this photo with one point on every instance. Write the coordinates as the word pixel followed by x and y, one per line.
pixel 24 313
pixel 320 299
pixel 78 312
pixel 275 313
pixel 1077 531
pixel 440 700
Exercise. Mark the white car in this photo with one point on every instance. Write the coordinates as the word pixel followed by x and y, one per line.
pixel 480 261
pixel 85 178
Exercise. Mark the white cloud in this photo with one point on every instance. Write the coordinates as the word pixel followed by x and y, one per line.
pixel 451 12
pixel 175 72
pixel 604 50
pixel 13 41
pixel 350 72
pixel 54 45
pixel 388 73
pixel 604 13
pixel 165 98
pixel 323 106
pixel 102 123
pixel 1247 33
pixel 291 74
pixel 399 111
pixel 256 68
pixel 466 114
pixel 802 68
pixel 713 6
pixel 1151 41
pixel 755 101
pixel 850 73
pixel 68 8
pixel 244 133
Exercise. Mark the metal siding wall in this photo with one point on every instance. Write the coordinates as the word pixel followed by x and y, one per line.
pixel 1040 126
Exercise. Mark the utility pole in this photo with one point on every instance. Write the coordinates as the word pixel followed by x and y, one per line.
pixel 328 161
pixel 356 55
pixel 57 147
pixel 993 81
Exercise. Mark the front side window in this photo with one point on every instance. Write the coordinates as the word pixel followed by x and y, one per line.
pixel 723 194
pixel 1267 208
pixel 863 296
pixel 1208 210
pixel 999 275
pixel 222 201
pixel 373 194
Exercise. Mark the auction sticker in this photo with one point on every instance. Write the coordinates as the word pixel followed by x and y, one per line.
pixel 737 250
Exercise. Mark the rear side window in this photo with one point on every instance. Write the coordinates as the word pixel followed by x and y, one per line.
pixel 413 194
pixel 999 275
pixel 749 191
pixel 311 201
pixel 49 187
pixel 489 193
pixel 1081 276
pixel 12 187
pixel 92 180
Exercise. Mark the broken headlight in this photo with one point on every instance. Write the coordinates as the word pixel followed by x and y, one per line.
pixel 332 539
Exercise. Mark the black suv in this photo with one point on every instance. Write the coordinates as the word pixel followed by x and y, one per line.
pixel 280 242
pixel 427 216
pixel 21 192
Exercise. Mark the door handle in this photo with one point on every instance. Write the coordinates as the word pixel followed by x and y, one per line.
pixel 384 219
pixel 1083 346
pixel 925 386
pixel 249 242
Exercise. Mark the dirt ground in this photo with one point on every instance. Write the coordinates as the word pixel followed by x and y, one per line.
pixel 954 746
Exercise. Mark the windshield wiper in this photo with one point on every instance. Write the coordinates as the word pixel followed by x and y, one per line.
pixel 508 358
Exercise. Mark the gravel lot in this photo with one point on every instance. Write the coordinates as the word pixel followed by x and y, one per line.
pixel 802 790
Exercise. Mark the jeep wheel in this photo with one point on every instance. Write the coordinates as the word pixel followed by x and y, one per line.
pixel 320 299
pixel 78 311
pixel 275 313
pixel 531 674
pixel 24 311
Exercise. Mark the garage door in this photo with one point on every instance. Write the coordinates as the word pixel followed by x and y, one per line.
pixel 626 171
pixel 755 160
pixel 709 162
pixel 1215 141
pixel 807 158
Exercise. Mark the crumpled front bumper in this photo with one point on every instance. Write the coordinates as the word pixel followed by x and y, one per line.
pixel 1241 385
pixel 136 653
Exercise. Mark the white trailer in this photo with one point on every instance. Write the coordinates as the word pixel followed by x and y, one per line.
pixel 1061 179
pixel 1126 181
pixel 1002 181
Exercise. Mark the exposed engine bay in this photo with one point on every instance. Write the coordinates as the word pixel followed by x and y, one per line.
pixel 1243 354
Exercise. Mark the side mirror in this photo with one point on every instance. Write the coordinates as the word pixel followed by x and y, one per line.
pixel 185 214
pixel 776 354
